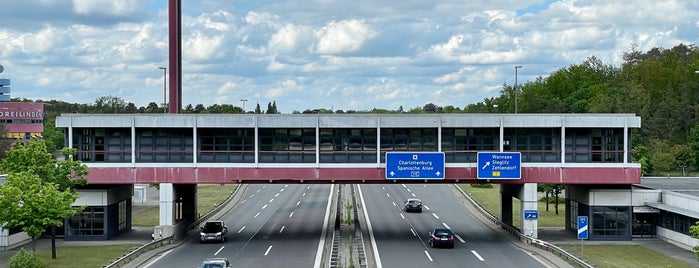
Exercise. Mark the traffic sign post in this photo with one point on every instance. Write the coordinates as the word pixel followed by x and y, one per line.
pixel 499 165
pixel 582 233
pixel 415 165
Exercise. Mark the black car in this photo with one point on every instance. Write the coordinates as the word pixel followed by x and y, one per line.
pixel 213 231
pixel 413 204
pixel 441 237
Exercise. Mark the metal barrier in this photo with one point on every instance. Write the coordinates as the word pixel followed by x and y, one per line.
pixel 525 238
pixel 135 253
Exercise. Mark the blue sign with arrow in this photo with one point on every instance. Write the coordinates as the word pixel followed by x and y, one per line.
pixel 415 165
pixel 531 214
pixel 499 165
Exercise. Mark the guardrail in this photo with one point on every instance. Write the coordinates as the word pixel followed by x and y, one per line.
pixel 522 237
pixel 136 252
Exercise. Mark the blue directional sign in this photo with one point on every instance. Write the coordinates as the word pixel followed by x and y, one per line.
pixel 582 227
pixel 531 214
pixel 499 165
pixel 415 165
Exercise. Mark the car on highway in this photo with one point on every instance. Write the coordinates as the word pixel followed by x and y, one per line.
pixel 441 237
pixel 413 204
pixel 216 263
pixel 213 231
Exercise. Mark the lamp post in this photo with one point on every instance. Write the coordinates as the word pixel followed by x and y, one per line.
pixel 243 101
pixel 164 88
pixel 516 91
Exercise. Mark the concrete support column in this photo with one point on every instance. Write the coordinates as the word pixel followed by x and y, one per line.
pixel 505 205
pixel 167 212
pixel 529 202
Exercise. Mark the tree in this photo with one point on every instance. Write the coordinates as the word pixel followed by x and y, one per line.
pixel 35 160
pixel 694 232
pixel 32 205
pixel 24 259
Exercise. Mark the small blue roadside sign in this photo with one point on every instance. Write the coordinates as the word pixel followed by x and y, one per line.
pixel 415 165
pixel 499 165
pixel 582 227
pixel 531 214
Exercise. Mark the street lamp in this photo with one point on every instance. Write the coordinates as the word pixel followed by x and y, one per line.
pixel 516 67
pixel 243 101
pixel 164 88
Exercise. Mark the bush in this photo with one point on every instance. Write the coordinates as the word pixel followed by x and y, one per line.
pixel 24 259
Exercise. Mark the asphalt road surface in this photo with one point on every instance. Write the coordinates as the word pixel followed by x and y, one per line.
pixel 401 237
pixel 272 226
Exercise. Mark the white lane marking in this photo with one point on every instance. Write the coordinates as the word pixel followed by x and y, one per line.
pixel 428 256
pixel 388 195
pixel 276 195
pixel 282 229
pixel 404 185
pixel 258 214
pixel 377 258
pixel 268 249
pixel 265 206
pixel 258 190
pixel 251 196
pixel 243 201
pixel 477 255
pixel 304 194
pixel 426 207
pixel 413 231
pixel 402 216
pixel 219 250
pixel 323 233
pixel 409 191
pixel 384 188
pixel 286 186
pixel 460 239
pixel 157 259
pixel 292 214
pixel 241 229
pixel 413 194
pixel 298 203
pixel 394 204
pixel 435 216
pixel 264 187
pixel 271 200
pixel 446 226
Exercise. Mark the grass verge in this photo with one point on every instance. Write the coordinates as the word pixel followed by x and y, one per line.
pixel 84 256
pixel 599 255
pixel 622 256
pixel 208 197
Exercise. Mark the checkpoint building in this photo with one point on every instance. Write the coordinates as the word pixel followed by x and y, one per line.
pixel 590 153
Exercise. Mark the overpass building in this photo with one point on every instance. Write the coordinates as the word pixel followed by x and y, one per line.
pixel 590 153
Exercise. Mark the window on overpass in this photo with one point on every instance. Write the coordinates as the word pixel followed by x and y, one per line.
pixel 347 145
pixel 226 145
pixel 584 145
pixel 539 145
pixel 287 145
pixel 461 145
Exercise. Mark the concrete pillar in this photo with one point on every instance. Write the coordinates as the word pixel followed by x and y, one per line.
pixel 529 201
pixel 505 205
pixel 167 212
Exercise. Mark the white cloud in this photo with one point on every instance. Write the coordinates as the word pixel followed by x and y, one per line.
pixel 343 37
pixel 105 7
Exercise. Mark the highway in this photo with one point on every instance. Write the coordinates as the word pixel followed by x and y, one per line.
pixel 401 237
pixel 272 226
pixel 280 225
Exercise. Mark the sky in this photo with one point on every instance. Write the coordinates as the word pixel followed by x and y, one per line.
pixel 321 54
